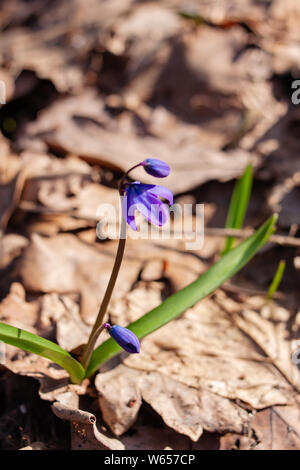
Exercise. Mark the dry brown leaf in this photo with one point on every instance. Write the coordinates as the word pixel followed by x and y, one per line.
pixel 63 312
pixel 58 47
pixel 48 225
pixel 279 35
pixel 185 409
pixel 119 397
pixel 212 354
pixel 84 131
pixel 48 316
pixel 277 428
pixel 207 95
pixel 9 164
pixel 85 269
pixel 11 246
pixel 15 310
pixel 272 337
pixel 54 381
pixel 85 434
pixel 52 182
pixel 63 264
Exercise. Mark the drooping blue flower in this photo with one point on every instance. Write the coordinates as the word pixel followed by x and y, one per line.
pixel 156 167
pixel 124 337
pixel 145 199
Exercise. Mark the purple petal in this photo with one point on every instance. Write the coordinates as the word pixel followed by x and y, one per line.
pixel 129 207
pixel 156 167
pixel 152 208
pixel 125 338
pixel 157 190
pixel 144 198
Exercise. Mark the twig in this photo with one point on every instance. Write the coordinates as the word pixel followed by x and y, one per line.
pixel 230 232
pixel 283 240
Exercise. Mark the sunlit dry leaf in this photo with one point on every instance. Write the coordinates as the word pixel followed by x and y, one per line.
pixel 63 264
pixel 280 34
pixel 185 409
pixel 85 434
pixel 63 312
pixel 205 348
pixel 277 428
pixel 11 246
pixel 192 370
pixel 51 182
pixel 120 398
pixel 15 310
pixel 69 126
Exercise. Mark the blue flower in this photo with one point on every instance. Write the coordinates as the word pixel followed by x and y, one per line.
pixel 124 337
pixel 145 199
pixel 156 167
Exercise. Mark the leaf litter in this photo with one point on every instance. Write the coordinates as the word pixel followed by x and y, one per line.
pixel 207 90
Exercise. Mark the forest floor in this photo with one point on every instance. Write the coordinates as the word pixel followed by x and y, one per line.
pixel 92 88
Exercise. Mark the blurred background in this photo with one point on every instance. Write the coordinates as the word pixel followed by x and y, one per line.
pixel 92 88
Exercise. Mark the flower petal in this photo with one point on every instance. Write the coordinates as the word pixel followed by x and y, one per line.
pixel 152 208
pixel 157 190
pixel 125 338
pixel 129 207
pixel 156 167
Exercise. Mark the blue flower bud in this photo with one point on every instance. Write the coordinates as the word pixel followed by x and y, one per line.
pixel 156 167
pixel 124 337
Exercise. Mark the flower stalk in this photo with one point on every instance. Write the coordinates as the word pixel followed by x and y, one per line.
pixel 98 326
pixel 142 197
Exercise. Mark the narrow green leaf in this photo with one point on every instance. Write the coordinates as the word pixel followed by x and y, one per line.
pixel 276 279
pixel 43 347
pixel 177 303
pixel 238 205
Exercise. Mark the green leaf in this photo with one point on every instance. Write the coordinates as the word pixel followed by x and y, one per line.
pixel 276 280
pixel 238 205
pixel 177 303
pixel 43 347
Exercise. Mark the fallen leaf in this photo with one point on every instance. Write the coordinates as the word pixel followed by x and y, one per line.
pixel 11 247
pixel 84 432
pixel 225 355
pixel 83 130
pixel 185 409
